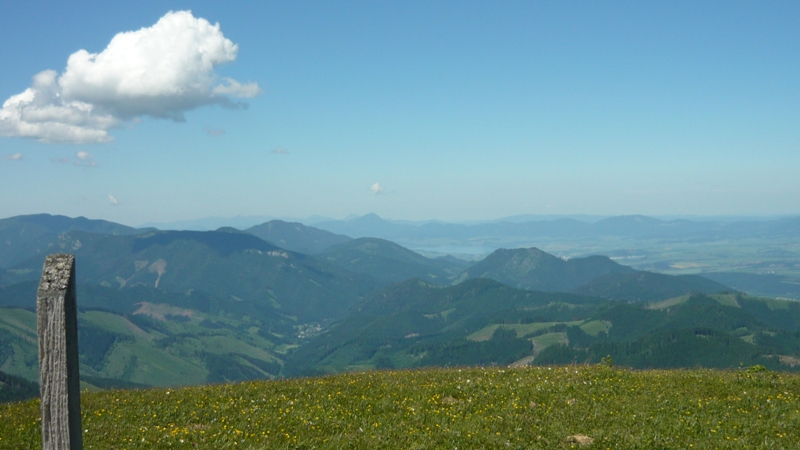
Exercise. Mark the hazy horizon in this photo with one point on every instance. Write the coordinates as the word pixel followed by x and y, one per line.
pixel 209 223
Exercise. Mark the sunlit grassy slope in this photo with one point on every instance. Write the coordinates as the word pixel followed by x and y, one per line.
pixel 521 408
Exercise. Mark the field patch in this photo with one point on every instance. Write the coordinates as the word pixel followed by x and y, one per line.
pixel 722 299
pixel 545 340
pixel 114 323
pixel 595 327
pixel 485 333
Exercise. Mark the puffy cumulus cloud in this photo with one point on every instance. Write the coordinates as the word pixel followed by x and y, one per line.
pixel 42 113
pixel 13 157
pixel 161 71
pixel 376 189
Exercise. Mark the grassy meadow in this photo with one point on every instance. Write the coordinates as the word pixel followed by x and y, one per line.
pixel 465 408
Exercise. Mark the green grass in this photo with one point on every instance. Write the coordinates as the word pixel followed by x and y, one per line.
pixel 19 321
pixel 143 355
pixel 776 303
pixel 468 408
pixel 226 344
pixel 664 304
pixel 727 300
pixel 545 340
pixel 22 361
pixel 156 366
pixel 114 323
pixel 485 333
pixel 595 327
pixel 722 299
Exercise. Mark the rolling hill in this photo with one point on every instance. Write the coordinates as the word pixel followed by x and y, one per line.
pixel 537 270
pixel 139 335
pixel 22 237
pixel 390 262
pixel 647 286
pixel 596 276
pixel 414 323
pixel 223 264
pixel 482 322
pixel 297 237
pixel 720 331
pixel 157 345
pixel 189 307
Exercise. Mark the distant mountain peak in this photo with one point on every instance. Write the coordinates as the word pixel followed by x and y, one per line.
pixel 371 217
pixel 296 237
pixel 532 268
pixel 388 261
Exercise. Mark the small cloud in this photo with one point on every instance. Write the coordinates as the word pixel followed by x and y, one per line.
pixel 376 189
pixel 82 158
pixel 13 157
pixel 113 199
pixel 280 151
pixel 233 88
pixel 214 131
pixel 85 159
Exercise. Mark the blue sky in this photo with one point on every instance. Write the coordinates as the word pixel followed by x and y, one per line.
pixel 419 110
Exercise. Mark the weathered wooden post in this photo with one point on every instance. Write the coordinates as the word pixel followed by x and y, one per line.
pixel 57 324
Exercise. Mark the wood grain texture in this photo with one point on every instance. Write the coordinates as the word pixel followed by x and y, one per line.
pixel 59 378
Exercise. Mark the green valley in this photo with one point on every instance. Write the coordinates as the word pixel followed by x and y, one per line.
pixel 167 308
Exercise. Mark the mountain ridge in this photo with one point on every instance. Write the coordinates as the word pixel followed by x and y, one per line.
pixel 21 236
pixel 297 237
pixel 237 265
pixel 388 261
pixel 535 269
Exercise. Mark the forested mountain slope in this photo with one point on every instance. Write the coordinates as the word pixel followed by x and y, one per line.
pixel 296 236
pixel 388 261
pixel 229 265
pixel 22 237
pixel 531 268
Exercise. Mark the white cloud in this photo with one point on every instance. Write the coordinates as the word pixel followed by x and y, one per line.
pixel 280 151
pixel 237 89
pixel 13 157
pixel 161 71
pixel 85 159
pixel 376 189
pixel 113 200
